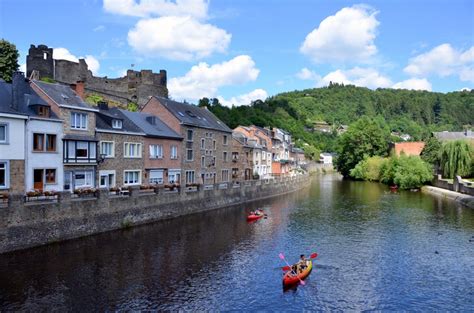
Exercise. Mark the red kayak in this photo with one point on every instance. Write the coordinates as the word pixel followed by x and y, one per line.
pixel 254 217
pixel 290 279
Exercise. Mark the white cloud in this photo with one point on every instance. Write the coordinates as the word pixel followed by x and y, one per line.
pixel 64 54
pixel 414 84
pixel 443 61
pixel 203 80
pixel 346 36
pixel 23 67
pixel 99 28
pixel 363 77
pixel 307 74
pixel 177 38
pixel 245 99
pixel 147 8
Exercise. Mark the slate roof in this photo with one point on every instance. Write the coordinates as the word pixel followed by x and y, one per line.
pixel 160 129
pixel 104 121
pixel 62 94
pixel 453 135
pixel 193 115
pixel 27 99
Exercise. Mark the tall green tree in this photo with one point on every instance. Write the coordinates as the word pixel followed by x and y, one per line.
pixel 406 171
pixel 431 151
pixel 364 138
pixel 8 60
pixel 456 158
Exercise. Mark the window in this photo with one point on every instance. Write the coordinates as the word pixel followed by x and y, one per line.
pixel 225 139
pixel 214 144
pixel 224 156
pixel 189 177
pixel 107 179
pixel 107 148
pixel 38 140
pixel 117 124
pixel 174 152
pixel 4 175
pixel 132 177
pixel 156 151
pixel 78 120
pixel 203 143
pixel 213 161
pixel 82 149
pixel 225 175
pixel 3 133
pixel 189 136
pixel 174 176
pixel 83 179
pixel 156 177
pixel 50 143
pixel 42 142
pixel 203 161
pixel 189 155
pixel 50 176
pixel 43 111
pixel 132 150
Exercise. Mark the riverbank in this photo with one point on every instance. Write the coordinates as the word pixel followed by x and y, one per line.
pixel 464 199
pixel 26 224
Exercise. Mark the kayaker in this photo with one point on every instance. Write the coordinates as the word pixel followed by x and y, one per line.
pixel 302 263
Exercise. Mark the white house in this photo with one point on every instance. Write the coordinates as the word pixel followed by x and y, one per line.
pixel 325 158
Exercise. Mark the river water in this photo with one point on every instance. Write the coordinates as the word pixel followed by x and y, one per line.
pixel 377 251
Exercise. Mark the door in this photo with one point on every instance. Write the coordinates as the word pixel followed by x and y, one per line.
pixel 67 180
pixel 38 182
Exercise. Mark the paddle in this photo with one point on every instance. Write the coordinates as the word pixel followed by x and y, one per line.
pixel 312 256
pixel 283 258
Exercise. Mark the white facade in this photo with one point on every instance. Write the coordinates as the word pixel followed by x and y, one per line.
pixel 12 145
pixel 325 158
pixel 13 148
pixel 43 165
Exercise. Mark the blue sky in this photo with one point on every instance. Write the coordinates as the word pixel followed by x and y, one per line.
pixel 239 51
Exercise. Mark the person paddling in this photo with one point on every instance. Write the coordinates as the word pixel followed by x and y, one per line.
pixel 302 263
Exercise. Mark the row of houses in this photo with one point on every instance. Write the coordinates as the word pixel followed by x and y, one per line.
pixel 51 139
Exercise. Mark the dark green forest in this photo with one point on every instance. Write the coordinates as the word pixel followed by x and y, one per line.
pixel 416 113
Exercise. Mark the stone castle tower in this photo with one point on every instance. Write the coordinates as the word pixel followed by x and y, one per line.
pixel 136 86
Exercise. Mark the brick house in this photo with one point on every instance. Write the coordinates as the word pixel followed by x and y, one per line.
pixel 162 149
pixel 121 145
pixel 408 148
pixel 79 141
pixel 207 143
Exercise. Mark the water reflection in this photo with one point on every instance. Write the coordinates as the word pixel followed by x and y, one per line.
pixel 377 250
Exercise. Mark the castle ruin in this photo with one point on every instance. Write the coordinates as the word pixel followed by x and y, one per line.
pixel 136 86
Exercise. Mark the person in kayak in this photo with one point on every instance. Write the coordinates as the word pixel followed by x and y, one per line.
pixel 302 263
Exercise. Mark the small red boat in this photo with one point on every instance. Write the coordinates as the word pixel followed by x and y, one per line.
pixel 290 279
pixel 254 217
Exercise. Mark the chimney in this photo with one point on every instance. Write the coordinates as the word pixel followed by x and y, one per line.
pixel 103 105
pixel 79 89
pixel 18 80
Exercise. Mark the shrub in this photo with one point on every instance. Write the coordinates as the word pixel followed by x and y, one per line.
pixel 406 171
pixel 369 168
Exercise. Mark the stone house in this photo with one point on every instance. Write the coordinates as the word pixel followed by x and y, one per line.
pixel 242 168
pixel 121 145
pixel 450 136
pixel 261 142
pixel 162 149
pixel 207 143
pixel 12 142
pixel 79 141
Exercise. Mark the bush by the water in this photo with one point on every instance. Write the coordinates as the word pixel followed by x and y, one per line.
pixel 369 168
pixel 405 171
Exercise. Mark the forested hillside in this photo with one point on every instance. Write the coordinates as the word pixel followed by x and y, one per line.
pixel 416 113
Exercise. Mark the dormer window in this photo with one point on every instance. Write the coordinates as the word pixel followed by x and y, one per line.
pixel 43 111
pixel 190 113
pixel 117 124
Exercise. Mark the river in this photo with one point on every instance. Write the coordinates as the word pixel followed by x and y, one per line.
pixel 377 251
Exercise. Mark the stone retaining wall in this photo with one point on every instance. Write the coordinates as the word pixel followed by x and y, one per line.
pixel 458 185
pixel 28 224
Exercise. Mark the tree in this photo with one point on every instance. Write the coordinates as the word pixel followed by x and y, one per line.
pixel 364 138
pixel 369 168
pixel 204 102
pixel 431 151
pixel 406 171
pixel 8 60
pixel 456 158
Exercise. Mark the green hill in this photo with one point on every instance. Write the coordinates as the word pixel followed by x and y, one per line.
pixel 416 113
